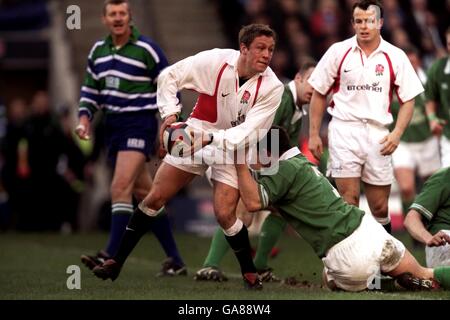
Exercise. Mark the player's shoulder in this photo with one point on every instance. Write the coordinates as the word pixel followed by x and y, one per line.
pixel 341 47
pixel 96 47
pixel 219 53
pixel 393 50
pixel 396 54
pixel 147 40
pixel 270 79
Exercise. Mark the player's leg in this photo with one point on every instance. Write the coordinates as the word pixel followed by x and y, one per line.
pixel 271 231
pixel 225 201
pixel 406 182
pixel 411 275
pixel 349 189
pixel 378 198
pixel 127 166
pixel 346 158
pixel 404 164
pixel 174 264
pixel 219 248
pixel 144 216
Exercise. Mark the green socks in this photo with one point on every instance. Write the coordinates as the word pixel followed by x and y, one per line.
pixel 271 231
pixel 442 275
pixel 218 249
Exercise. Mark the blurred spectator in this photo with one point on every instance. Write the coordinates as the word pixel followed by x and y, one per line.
pixel 36 151
pixel 71 167
pixel 309 27
pixel 438 102
pixel 16 169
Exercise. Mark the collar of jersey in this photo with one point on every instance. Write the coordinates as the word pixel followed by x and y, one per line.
pixel 133 36
pixel 232 61
pixel 381 47
pixel 292 152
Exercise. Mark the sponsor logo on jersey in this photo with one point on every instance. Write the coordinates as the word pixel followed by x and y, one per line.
pixel 365 87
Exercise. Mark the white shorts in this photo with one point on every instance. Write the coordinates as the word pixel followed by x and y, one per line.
pixel 438 256
pixel 353 263
pixel 421 156
pixel 221 163
pixel 445 152
pixel 355 152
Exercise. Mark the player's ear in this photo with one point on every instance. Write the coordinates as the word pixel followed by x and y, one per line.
pixel 243 48
pixel 380 23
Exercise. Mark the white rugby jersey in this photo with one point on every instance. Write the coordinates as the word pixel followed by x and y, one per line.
pixel 229 111
pixel 362 87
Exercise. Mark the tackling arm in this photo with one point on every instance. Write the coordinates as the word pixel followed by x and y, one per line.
pixel 414 225
pixel 248 188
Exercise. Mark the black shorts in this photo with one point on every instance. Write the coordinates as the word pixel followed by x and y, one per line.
pixel 135 131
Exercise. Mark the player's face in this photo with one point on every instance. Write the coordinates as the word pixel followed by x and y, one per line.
pixel 304 89
pixel 259 54
pixel 117 19
pixel 366 25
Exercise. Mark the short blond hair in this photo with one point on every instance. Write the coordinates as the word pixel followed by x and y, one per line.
pixel 115 2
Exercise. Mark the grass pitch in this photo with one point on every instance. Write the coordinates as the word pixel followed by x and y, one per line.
pixel 34 266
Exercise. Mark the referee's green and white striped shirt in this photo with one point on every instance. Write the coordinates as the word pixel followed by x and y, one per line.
pixel 122 79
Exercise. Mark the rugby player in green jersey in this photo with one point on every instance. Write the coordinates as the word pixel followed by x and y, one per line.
pixel 428 219
pixel 353 247
pixel 297 93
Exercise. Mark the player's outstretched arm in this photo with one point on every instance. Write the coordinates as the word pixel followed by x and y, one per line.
pixel 413 223
pixel 248 188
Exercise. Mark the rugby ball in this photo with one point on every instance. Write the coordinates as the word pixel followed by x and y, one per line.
pixel 178 139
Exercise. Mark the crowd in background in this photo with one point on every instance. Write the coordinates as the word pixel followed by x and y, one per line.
pixel 308 28
pixel 45 170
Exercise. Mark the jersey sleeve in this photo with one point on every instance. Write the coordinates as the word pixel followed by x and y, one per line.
pixel 406 79
pixel 325 72
pixel 195 73
pixel 274 187
pixel 157 62
pixel 435 192
pixel 90 94
pixel 259 117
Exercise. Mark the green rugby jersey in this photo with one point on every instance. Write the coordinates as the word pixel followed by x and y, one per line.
pixel 308 202
pixel 438 89
pixel 418 129
pixel 288 115
pixel 122 79
pixel 433 203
